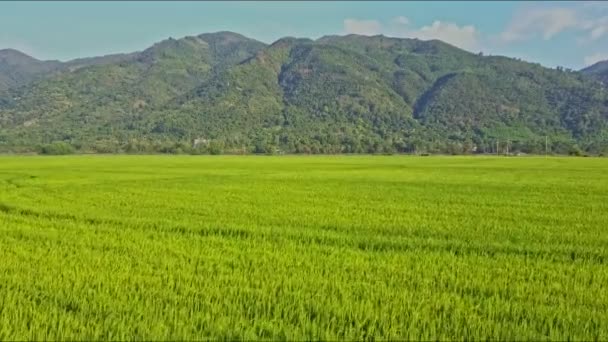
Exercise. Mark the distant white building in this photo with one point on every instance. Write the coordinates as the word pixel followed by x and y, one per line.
pixel 200 141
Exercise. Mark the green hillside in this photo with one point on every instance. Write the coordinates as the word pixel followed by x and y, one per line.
pixel 225 93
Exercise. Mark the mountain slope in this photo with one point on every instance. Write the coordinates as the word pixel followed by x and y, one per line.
pixel 112 99
pixel 17 69
pixel 347 94
pixel 598 71
pixel 225 92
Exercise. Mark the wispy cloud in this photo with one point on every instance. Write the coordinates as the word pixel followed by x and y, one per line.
pixel 466 37
pixel 597 27
pixel 596 57
pixel 546 22
pixel 363 27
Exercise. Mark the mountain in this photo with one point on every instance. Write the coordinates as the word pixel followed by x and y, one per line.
pixel 598 70
pixel 17 69
pixel 101 60
pixel 223 92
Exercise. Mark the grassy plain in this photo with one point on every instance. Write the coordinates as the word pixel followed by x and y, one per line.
pixel 360 247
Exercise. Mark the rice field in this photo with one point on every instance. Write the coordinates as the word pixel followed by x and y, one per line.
pixel 300 248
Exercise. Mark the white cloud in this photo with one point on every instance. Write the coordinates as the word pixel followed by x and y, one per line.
pixel 595 5
pixel 598 27
pixel 598 32
pixel 363 27
pixel 596 57
pixel 544 21
pixel 547 22
pixel 466 37
pixel 401 20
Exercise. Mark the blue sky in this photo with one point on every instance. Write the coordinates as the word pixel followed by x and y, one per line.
pixel 570 34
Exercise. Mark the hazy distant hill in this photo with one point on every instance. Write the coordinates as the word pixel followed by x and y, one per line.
pixel 598 70
pixel 223 92
pixel 17 68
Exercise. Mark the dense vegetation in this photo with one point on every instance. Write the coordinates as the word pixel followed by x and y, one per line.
pixel 225 93
pixel 303 248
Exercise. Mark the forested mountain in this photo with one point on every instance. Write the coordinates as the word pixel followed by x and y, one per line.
pixel 17 69
pixel 223 92
pixel 598 70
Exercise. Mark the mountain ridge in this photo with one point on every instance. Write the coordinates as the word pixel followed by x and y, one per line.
pixel 335 94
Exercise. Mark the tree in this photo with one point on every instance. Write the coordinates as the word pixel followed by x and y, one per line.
pixel 57 148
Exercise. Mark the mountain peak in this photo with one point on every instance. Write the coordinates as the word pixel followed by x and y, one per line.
pixel 287 41
pixel 12 56
pixel 225 37
pixel 597 67
pixel 599 71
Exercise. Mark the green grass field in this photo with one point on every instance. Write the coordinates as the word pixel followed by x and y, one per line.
pixel 361 247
